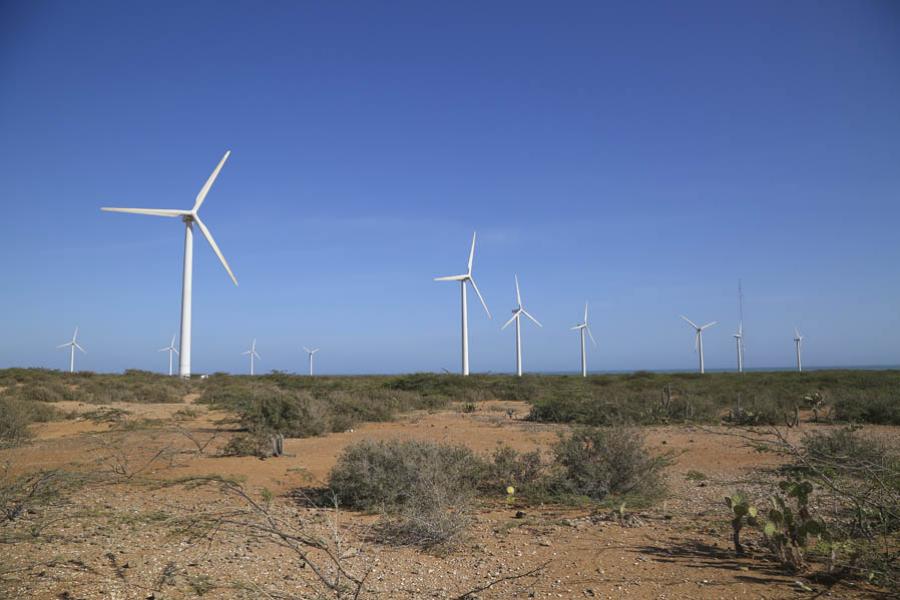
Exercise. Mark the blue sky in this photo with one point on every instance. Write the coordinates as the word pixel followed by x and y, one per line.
pixel 641 155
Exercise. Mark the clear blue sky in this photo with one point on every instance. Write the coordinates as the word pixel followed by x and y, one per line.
pixel 643 155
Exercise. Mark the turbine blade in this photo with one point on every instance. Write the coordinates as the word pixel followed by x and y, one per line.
pixel 585 312
pixel 694 325
pixel 75 335
pixel 175 350
pixel 576 328
pixel 452 278
pixel 513 318
pixel 316 350
pixel 164 349
pixel 480 297
pixel 518 295
pixel 79 347
pixel 472 251
pixel 212 242
pixel 536 322
pixel 155 212
pixel 307 349
pixel 205 189
pixel 591 335
pixel 66 345
pixel 710 324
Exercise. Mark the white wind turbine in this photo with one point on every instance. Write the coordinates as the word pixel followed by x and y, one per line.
pixel 517 317
pixel 170 349
pixel 72 345
pixel 739 339
pixel 311 353
pixel 584 327
pixel 798 340
pixel 698 342
pixel 189 217
pixel 253 355
pixel 463 280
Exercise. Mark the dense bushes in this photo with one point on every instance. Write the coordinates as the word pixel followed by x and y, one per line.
pixel 16 415
pixel 424 490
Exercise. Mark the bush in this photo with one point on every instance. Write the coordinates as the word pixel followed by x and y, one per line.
pixel 602 462
pixel 525 471
pixel 423 489
pixel 14 419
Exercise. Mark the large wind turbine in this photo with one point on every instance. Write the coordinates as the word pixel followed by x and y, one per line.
pixel 698 343
pixel 170 349
pixel 189 217
pixel 584 327
pixel 739 339
pixel 463 280
pixel 310 352
pixel 72 345
pixel 253 355
pixel 517 317
pixel 798 340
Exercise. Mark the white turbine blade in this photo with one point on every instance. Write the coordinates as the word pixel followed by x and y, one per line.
pixel 172 343
pixel 452 278
pixel 591 335
pixel 741 328
pixel 576 328
pixel 480 297
pixel 164 349
pixel 797 334
pixel 518 295
pixel 79 347
pixel 66 345
pixel 256 354
pixel 316 350
pixel 155 212
pixel 694 325
pixel 174 349
pixel 75 335
pixel 205 189
pixel 245 352
pixel 306 349
pixel 710 324
pixel 585 312
pixel 536 322
pixel 472 251
pixel 212 242
pixel 513 318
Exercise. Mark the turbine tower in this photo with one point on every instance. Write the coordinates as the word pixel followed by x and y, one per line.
pixel 71 346
pixel 739 338
pixel 170 349
pixel 189 217
pixel 253 355
pixel 698 342
pixel 517 317
pixel 584 327
pixel 463 280
pixel 798 340
pixel 310 352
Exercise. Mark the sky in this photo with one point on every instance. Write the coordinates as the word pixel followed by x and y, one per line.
pixel 642 156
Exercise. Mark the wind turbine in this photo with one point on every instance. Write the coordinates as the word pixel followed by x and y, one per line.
pixel 739 338
pixel 253 355
pixel 72 345
pixel 463 280
pixel 189 217
pixel 517 317
pixel 310 352
pixel 698 343
pixel 798 340
pixel 170 349
pixel 584 327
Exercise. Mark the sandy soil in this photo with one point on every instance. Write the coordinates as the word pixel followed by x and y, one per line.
pixel 118 540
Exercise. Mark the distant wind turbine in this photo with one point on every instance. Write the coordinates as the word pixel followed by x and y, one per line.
pixel 170 349
pixel 463 280
pixel 798 340
pixel 739 338
pixel 584 327
pixel 189 217
pixel 311 353
pixel 517 317
pixel 253 355
pixel 72 345
pixel 698 342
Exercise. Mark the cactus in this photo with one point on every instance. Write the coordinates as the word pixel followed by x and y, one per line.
pixel 741 511
pixel 788 528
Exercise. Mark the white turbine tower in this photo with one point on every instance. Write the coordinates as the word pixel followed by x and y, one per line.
pixel 189 217
pixel 311 353
pixel 698 342
pixel 463 280
pixel 798 340
pixel 584 327
pixel 739 339
pixel 170 349
pixel 517 317
pixel 71 346
pixel 253 355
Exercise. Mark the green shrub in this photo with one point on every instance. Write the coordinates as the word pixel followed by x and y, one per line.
pixel 609 461
pixel 14 420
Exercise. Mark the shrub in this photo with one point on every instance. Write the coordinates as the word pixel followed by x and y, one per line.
pixel 14 419
pixel 602 462
pixel 423 489
pixel 524 471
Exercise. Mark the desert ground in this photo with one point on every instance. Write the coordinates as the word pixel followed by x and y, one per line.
pixel 130 535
